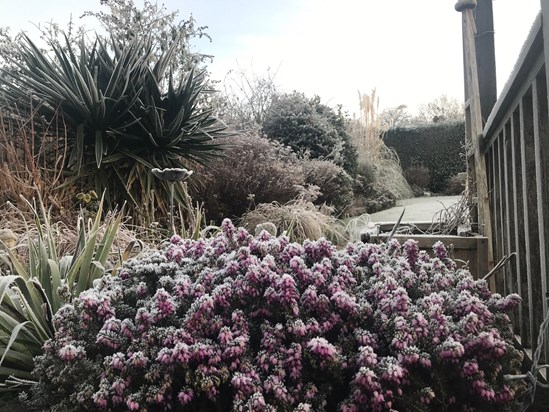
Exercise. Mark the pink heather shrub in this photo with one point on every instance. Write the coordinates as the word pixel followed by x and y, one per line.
pixel 243 323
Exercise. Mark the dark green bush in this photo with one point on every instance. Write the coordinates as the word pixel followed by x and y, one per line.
pixel 437 146
pixel 417 175
pixel 312 128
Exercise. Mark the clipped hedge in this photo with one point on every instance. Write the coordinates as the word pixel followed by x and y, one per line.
pixel 437 146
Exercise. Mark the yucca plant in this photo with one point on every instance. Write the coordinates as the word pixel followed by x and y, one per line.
pixel 125 114
pixel 94 90
pixel 33 289
pixel 25 324
pixel 173 128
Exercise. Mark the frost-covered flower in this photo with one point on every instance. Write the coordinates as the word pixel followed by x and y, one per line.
pixel 70 352
pixel 322 348
pixel 451 350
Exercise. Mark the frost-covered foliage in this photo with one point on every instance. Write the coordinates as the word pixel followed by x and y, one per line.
pixel 261 324
pixel 253 170
pixel 312 128
pixel 335 184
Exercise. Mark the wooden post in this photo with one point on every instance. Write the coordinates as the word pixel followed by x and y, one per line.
pixel 486 59
pixel 545 27
pixel 474 121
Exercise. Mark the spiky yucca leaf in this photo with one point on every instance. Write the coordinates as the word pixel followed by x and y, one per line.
pixel 173 127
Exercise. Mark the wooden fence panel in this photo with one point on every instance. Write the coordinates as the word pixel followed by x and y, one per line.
pixel 502 229
pixel 531 229
pixel 541 148
pixel 510 270
pixel 515 149
pixel 522 327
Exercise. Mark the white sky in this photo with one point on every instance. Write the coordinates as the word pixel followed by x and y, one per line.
pixel 410 51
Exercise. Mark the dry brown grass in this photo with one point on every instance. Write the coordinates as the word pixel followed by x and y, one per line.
pixel 31 167
pixel 453 218
pixel 32 164
pixel 299 219
pixel 367 136
pixel 368 139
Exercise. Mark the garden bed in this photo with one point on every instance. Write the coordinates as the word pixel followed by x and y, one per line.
pixel 237 322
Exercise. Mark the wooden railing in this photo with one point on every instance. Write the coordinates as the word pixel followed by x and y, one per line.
pixel 515 146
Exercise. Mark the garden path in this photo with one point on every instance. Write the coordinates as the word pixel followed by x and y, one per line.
pixel 418 209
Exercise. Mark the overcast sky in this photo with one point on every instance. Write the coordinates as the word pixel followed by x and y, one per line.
pixel 410 51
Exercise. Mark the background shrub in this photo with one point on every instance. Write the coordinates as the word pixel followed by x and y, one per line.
pixel 456 186
pixel 335 185
pixel 437 146
pixel 371 200
pixel 378 184
pixel 310 127
pixel 418 175
pixel 253 170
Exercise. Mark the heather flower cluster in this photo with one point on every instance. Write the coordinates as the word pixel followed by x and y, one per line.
pixel 243 323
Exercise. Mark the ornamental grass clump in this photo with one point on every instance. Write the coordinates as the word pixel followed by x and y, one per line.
pixel 243 323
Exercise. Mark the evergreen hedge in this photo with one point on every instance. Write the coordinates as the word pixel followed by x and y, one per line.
pixel 437 146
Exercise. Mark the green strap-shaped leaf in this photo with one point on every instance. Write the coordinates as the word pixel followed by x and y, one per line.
pixel 17 267
pixel 32 302
pixel 55 274
pixel 85 273
pixel 5 283
pixel 13 336
pixel 98 148
pixel 79 146
pixel 108 239
pixel 14 372
pixel 44 273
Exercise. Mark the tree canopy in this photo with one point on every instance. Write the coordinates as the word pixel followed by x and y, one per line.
pixel 443 108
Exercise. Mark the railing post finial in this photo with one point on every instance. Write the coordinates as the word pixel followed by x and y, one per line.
pixel 463 5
